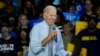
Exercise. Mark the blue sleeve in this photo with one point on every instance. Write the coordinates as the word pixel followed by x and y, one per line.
pixel 35 43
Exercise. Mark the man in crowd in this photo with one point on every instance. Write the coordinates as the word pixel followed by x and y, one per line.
pixel 90 38
pixel 45 37
pixel 9 46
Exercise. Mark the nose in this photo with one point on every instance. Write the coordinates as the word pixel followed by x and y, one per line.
pixel 54 17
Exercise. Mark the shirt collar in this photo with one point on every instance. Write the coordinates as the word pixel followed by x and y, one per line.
pixel 45 24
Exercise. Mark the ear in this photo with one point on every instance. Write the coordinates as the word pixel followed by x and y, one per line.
pixel 44 15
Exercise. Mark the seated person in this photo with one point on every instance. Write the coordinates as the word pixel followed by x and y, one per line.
pixel 9 46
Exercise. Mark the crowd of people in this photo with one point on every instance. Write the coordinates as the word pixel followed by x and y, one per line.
pixel 18 17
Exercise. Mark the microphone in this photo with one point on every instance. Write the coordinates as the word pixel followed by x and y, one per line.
pixel 54 28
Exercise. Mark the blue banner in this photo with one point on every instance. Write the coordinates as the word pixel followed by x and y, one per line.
pixel 71 17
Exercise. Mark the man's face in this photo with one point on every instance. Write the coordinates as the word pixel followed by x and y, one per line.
pixel 67 28
pixel 92 24
pixel 98 11
pixel 72 9
pixel 23 20
pixel 88 5
pixel 50 16
pixel 5 31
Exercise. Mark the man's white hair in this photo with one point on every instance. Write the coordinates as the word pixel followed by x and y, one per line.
pixel 49 7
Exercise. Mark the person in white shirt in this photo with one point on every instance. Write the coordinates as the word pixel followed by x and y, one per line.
pixel 41 36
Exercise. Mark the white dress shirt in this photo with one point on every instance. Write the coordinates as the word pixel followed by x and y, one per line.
pixel 38 33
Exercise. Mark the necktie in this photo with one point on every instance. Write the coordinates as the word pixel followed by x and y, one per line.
pixel 50 45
